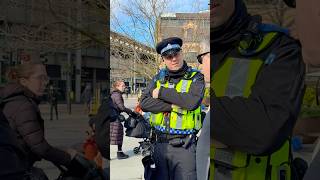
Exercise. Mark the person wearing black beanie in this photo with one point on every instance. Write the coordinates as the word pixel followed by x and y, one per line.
pixel 257 88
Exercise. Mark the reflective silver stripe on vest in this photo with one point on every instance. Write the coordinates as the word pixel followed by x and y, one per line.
pixel 179 121
pixel 184 86
pixel 219 175
pixel 179 114
pixel 153 117
pixel 224 156
pixel 171 85
pixel 239 71
pixel 198 122
pixel 179 110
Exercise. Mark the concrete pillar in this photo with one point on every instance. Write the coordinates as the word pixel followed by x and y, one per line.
pixel 78 75
pixel 1 71
pixel 78 58
pixel 68 85
pixel 94 79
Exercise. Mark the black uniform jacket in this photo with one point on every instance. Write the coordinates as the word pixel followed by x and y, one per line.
pixel 169 96
pixel 262 122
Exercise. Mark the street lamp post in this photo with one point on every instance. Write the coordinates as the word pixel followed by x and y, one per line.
pixel 69 76
pixel 1 71
pixel 134 75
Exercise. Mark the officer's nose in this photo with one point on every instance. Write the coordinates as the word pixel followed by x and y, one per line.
pixel 174 59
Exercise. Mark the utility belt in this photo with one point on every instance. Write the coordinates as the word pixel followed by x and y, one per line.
pixel 176 140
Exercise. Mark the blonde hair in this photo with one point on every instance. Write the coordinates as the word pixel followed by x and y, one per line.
pixel 116 84
pixel 24 70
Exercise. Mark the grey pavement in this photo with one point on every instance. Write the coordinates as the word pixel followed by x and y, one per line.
pixel 131 168
pixel 69 131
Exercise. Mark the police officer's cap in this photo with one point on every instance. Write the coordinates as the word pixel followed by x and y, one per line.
pixel 169 46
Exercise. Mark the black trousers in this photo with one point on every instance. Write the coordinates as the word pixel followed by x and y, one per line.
pixel 55 107
pixel 174 163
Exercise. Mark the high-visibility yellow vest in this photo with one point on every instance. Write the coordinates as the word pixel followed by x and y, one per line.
pixel 235 78
pixel 179 118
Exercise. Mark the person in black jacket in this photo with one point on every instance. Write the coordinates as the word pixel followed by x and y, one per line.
pixel 53 100
pixel 116 128
pixel 261 122
pixel 308 27
pixel 22 97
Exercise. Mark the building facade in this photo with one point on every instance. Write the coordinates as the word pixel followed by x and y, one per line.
pixel 131 61
pixel 65 35
pixel 192 28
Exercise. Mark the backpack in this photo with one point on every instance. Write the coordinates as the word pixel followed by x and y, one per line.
pixel 107 113
pixel 12 156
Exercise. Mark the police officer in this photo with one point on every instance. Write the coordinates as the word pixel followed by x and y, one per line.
pixel 203 144
pixel 173 97
pixel 257 82
pixel 308 30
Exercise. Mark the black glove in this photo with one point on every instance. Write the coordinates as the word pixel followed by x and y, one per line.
pixel 80 167
pixel 134 114
pixel 121 118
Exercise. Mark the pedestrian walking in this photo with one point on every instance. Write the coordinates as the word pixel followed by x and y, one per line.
pixel 116 128
pixel 21 98
pixel 86 97
pixel 53 101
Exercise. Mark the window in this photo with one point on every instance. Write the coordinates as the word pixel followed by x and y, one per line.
pixel 189 34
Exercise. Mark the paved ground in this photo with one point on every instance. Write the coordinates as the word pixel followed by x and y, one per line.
pixel 131 168
pixel 69 130
pixel 64 133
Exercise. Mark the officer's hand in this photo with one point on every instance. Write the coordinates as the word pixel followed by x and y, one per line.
pixel 155 93
pixel 174 106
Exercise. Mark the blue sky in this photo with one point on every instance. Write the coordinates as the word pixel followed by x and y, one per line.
pixel 123 23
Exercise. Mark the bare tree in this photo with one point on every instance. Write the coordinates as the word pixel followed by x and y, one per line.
pixel 142 16
pixel 40 27
pixel 53 24
pixel 143 23
pixel 132 56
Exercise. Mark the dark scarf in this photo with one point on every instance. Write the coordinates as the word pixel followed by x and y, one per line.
pixel 180 72
pixel 228 33
pixel 116 91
